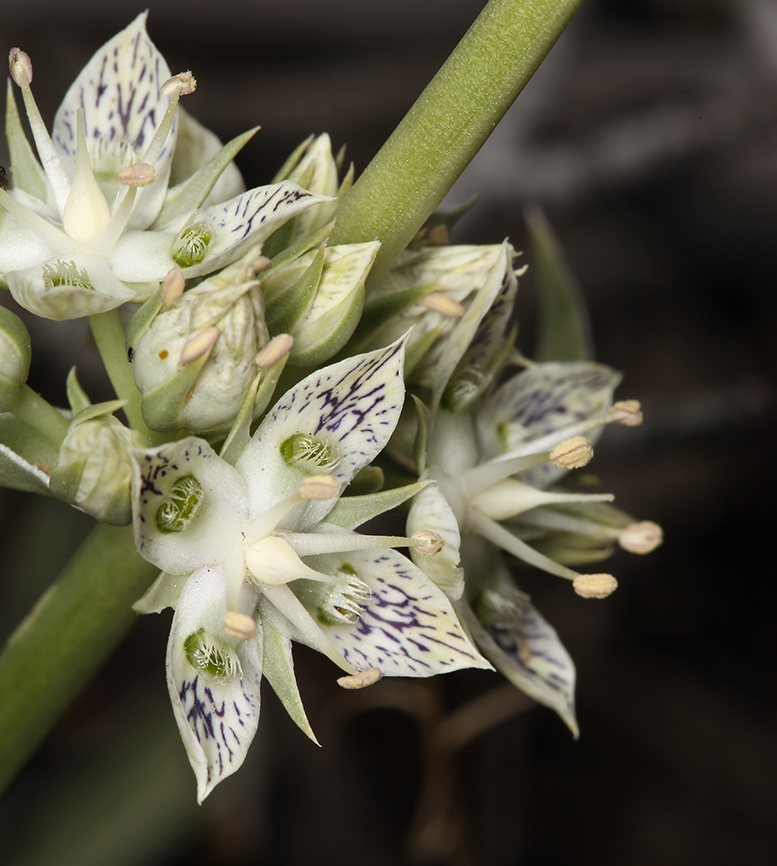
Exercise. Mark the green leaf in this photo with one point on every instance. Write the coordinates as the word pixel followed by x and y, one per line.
pixel 564 329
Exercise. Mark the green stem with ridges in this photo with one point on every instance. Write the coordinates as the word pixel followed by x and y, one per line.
pixel 65 639
pixel 448 124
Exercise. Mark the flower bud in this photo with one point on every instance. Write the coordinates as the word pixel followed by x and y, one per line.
pixel 193 362
pixel 94 469
pixel 15 356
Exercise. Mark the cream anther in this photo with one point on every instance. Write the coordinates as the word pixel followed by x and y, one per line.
pixel 199 345
pixel 626 412
pixel 274 350
pixel 594 585
pixel 442 304
pixel 261 264
pixel 572 453
pixel 173 286
pixel 319 487
pixel 184 83
pixel 642 537
pixel 427 543
pixel 364 678
pixel 239 625
pixel 21 67
pixel 139 174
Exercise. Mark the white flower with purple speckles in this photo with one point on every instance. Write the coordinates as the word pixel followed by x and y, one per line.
pixel 93 224
pixel 263 553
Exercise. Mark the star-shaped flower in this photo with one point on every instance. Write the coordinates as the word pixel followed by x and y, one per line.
pixel 264 552
pixel 94 224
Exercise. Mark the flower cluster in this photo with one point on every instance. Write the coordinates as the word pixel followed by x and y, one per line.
pixel 248 500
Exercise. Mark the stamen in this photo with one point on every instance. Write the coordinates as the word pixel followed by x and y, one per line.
pixel 427 543
pixel 261 264
pixel 510 497
pixel 274 350
pixel 642 537
pixel 239 625
pixel 139 174
pixel 572 453
pixel 364 678
pixel 319 487
pixel 314 544
pixel 184 83
pixel 443 304
pixel 594 585
pixel 21 71
pixel 173 286
pixel 198 345
pixel 626 412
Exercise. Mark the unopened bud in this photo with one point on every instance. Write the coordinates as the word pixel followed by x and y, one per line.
pixel 173 286
pixel 15 355
pixel 199 345
pixel 594 585
pixel 642 537
pixel 627 412
pixel 572 453
pixel 319 487
pixel 443 304
pixel 185 83
pixel 274 350
pixel 239 625
pixel 427 542
pixel 364 678
pixel 21 67
pixel 139 174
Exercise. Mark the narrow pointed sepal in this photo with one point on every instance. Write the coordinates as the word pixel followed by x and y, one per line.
pixel 213 680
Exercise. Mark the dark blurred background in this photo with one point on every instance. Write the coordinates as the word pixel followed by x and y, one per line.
pixel 649 136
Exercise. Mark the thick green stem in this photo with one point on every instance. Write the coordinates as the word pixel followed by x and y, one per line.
pixel 41 416
pixel 448 124
pixel 65 639
pixel 108 333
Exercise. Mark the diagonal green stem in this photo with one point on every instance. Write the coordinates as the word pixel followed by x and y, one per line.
pixel 448 124
pixel 65 639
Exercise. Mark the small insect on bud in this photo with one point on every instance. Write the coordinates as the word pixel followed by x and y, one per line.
pixel 444 305
pixel 572 453
pixel 21 67
pixel 185 83
pixel 364 678
pixel 594 585
pixel 642 537
pixel 274 350
pixel 173 286
pixel 239 625
pixel 319 487
pixel 626 412
pixel 140 174
pixel 427 542
pixel 199 345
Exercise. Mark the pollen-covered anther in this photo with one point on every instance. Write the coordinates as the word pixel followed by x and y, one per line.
pixel 572 453
pixel 626 412
pixel 261 264
pixel 274 350
pixel 139 174
pixel 427 542
pixel 444 305
pixel 173 286
pixel 239 625
pixel 21 67
pixel 364 678
pixel 199 345
pixel 642 537
pixel 185 83
pixel 319 487
pixel 594 585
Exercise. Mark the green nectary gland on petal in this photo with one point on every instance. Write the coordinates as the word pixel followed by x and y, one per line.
pixel 184 499
pixel 221 665
pixel 191 245
pixel 65 274
pixel 312 455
